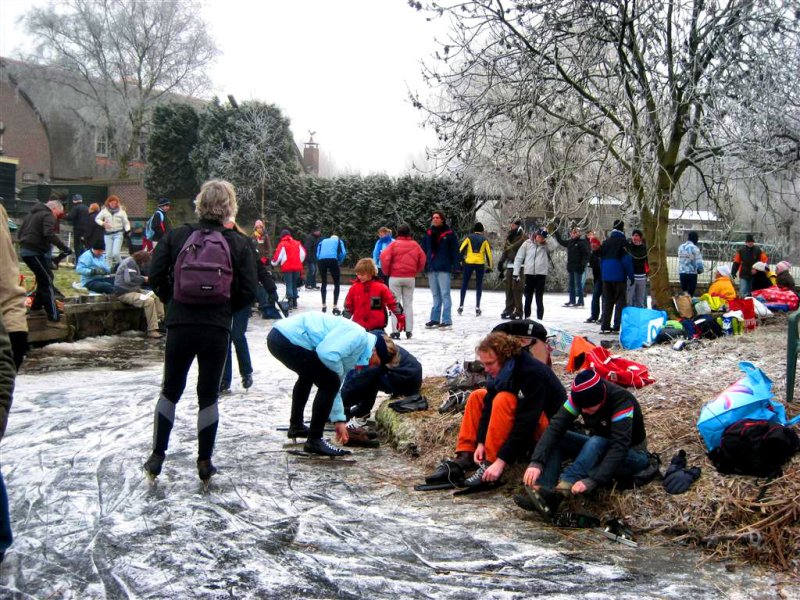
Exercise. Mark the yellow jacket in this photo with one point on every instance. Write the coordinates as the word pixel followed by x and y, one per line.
pixel 481 256
pixel 722 288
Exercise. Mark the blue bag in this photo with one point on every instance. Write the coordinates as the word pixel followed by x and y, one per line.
pixel 749 398
pixel 640 326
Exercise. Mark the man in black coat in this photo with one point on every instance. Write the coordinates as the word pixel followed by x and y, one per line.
pixel 578 253
pixel 80 220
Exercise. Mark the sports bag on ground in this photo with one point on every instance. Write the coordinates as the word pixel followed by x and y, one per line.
pixel 754 447
pixel 616 369
pixel 203 272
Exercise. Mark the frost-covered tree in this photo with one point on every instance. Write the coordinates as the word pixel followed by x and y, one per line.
pixel 173 136
pixel 633 94
pixel 123 57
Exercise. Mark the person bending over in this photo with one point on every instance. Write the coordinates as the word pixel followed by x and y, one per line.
pixel 321 348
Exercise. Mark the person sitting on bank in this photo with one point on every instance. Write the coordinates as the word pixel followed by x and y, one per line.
pixel 532 335
pixel 615 447
pixel 128 284
pixel 762 277
pixel 503 421
pixel 722 286
pixel 94 270
pixel 321 349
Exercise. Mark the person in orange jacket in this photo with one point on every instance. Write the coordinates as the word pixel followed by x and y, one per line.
pixel 368 299
pixel 290 254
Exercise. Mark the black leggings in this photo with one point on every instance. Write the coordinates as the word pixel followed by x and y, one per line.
pixel 323 265
pixel 185 343
pixel 310 371
pixel 45 296
pixel 534 283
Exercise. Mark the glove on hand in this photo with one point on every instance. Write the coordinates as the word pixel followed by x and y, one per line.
pixel 347 314
pixel 678 478
pixel 401 322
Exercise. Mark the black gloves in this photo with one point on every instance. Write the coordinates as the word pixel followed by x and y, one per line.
pixel 19 346
pixel 678 478
pixel 347 314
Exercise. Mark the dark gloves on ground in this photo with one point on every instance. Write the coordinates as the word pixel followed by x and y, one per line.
pixel 678 478
pixel 19 346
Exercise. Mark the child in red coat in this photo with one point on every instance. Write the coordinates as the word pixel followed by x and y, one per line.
pixel 368 299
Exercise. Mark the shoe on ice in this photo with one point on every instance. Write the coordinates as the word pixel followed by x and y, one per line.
pixel 153 465
pixel 336 311
pixel 409 335
pixel 247 381
pixel 205 470
pixel 431 324
pixel 478 312
pixel 324 448
pixel 297 432
pixel 395 335
pixel 460 310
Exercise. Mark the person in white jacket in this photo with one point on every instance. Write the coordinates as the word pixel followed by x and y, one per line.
pixel 533 261
pixel 114 220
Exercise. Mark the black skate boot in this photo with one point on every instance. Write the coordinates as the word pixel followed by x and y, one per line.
pixel 205 470
pixel 153 465
pixel 295 432
pixel 323 448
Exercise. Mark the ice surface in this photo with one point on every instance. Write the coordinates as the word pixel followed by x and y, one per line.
pixel 88 524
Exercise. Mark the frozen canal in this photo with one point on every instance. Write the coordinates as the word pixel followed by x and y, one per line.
pixel 88 524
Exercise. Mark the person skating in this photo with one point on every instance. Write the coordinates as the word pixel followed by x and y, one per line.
pixel 368 300
pixel 289 255
pixel 321 349
pixel 402 261
pixel 617 267
pixel 505 269
pixel 532 264
pixel 331 253
pixel 503 421
pixel 578 254
pixel 615 447
pixel 477 254
pixel 198 330
pixel 441 252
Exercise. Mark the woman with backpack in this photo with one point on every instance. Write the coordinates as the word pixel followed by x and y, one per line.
pixel 200 305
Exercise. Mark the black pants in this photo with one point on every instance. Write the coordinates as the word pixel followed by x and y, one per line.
pixel 513 294
pixel 45 297
pixel 310 371
pixel 534 284
pixel 614 299
pixel 185 343
pixel 323 266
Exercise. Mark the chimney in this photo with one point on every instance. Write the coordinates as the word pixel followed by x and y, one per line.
pixel 311 155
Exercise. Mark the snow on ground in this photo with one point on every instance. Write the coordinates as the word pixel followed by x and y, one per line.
pixel 88 524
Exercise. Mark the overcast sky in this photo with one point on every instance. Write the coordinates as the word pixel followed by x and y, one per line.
pixel 340 68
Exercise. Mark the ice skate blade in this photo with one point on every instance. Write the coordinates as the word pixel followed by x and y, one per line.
pixel 330 460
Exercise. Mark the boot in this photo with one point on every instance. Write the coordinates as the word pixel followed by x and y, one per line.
pixel 324 448
pixel 205 469
pixel 297 431
pixel 247 381
pixel 360 437
pixel 153 465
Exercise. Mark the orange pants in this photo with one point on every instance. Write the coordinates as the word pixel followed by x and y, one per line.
pixel 501 422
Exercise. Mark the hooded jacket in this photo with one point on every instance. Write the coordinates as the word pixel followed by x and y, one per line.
pixel 38 231
pixel 339 343
pixel 403 258
pixel 690 261
pixel 722 288
pixel 128 277
pixel 534 258
pixel 368 301
pixel 615 262
pixel 289 254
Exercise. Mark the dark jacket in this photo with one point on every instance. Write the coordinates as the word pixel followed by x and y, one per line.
pixel 79 218
pixel 217 315
pixel 578 252
pixel 441 249
pixel 638 257
pixel 745 258
pixel 619 420
pixel 616 264
pixel 514 240
pixel 597 269
pixel 161 225
pixel 310 244
pixel 760 281
pixel 95 232
pixel 539 390
pixel 786 280
pixel 38 231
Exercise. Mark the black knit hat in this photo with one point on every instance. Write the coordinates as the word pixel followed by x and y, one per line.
pixel 749 238
pixel 99 245
pixel 588 389
pixel 693 237
pixel 523 328
pixel 619 225
pixel 478 227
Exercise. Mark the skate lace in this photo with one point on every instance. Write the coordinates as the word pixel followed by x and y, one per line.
pixel 326 444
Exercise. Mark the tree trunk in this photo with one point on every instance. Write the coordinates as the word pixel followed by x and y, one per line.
pixel 655 227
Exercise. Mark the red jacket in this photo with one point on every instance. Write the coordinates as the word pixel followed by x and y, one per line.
pixel 289 254
pixel 402 258
pixel 368 301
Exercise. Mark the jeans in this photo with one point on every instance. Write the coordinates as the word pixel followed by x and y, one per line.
pixel 290 280
pixel 311 371
pixel 440 290
pixel 587 452
pixel 534 284
pixel 45 296
pixel 113 248
pixel 184 344
pixel 575 289
pixel 468 271
pixel 745 287
pixel 332 265
pixel 5 518
pixel 688 282
pixel 239 341
pixel 311 275
pixel 100 285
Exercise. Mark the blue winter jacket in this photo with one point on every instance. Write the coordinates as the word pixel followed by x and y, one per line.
pixel 331 247
pixel 90 266
pixel 616 264
pixel 689 259
pixel 340 344
pixel 446 257
pixel 379 247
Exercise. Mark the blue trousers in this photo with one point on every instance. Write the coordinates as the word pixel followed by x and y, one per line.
pixel 311 274
pixel 468 271
pixel 238 341
pixel 575 289
pixel 291 279
pixel 100 284
pixel 442 304
pixel 587 453
pixel 5 518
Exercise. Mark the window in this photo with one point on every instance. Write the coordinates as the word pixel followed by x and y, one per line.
pixel 101 143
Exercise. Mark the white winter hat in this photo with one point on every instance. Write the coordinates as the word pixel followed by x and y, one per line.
pixel 760 266
pixel 724 270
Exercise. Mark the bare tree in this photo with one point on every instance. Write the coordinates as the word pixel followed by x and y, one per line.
pixel 620 96
pixel 123 57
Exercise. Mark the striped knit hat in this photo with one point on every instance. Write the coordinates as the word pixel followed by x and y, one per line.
pixel 588 389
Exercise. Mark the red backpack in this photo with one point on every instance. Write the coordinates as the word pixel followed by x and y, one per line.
pixel 616 369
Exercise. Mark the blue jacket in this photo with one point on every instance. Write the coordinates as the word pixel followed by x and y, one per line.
pixel 331 247
pixel 616 264
pixel 340 344
pixel 379 247
pixel 689 259
pixel 446 257
pixel 90 266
